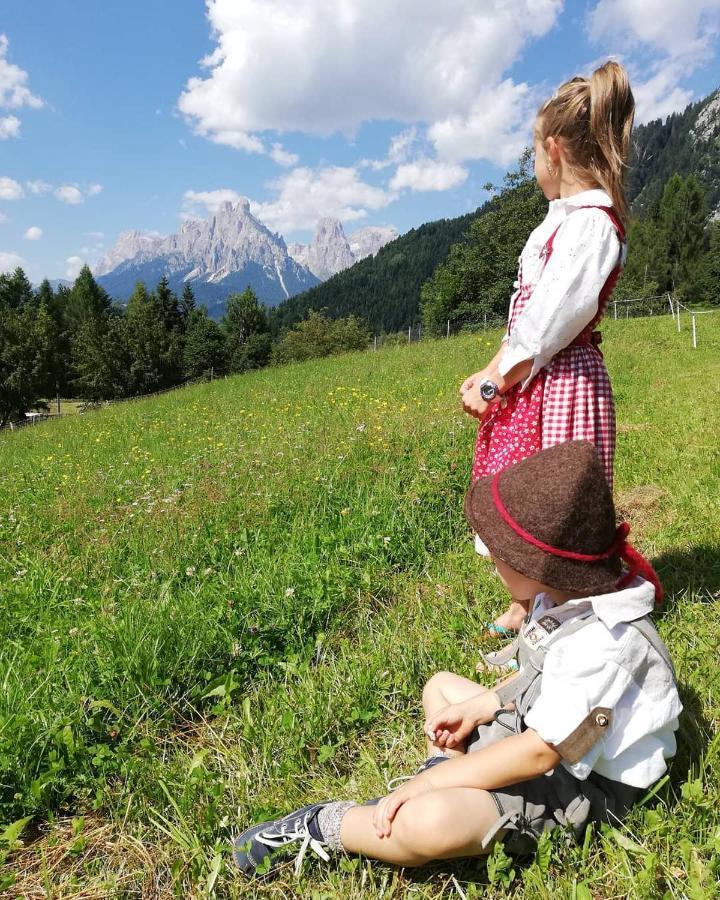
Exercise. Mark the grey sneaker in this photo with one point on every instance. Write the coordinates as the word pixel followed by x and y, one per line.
pixel 428 764
pixel 254 848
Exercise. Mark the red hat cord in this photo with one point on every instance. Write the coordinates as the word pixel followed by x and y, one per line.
pixel 635 561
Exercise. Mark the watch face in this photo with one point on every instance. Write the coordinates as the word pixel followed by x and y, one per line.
pixel 488 390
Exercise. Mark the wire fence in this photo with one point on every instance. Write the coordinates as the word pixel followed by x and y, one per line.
pixel 629 308
pixel 661 305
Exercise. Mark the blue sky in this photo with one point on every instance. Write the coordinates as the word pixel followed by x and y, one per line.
pixel 380 113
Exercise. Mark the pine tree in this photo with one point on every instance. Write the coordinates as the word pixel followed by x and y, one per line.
pixel 23 349
pixel 146 341
pixel 247 332
pixel 205 353
pixel 682 218
pixel 707 283
pixel 187 303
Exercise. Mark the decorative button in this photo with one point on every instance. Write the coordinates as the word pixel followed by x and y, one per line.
pixel 601 719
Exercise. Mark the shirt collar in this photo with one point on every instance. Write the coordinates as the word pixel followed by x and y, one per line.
pixel 593 197
pixel 627 605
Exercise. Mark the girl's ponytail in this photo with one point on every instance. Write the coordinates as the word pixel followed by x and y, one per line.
pixel 594 117
pixel 612 111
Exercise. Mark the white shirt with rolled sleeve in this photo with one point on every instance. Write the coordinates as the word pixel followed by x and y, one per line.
pixel 610 664
pixel 565 291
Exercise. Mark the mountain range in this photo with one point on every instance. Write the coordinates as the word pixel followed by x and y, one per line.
pixel 231 250
pixel 372 271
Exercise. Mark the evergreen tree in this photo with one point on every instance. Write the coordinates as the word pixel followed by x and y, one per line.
pixel 187 303
pixel 147 341
pixel 205 352
pixel 478 276
pixel 247 332
pixel 172 320
pixel 86 299
pixel 707 283
pixel 102 362
pixel 23 348
pixel 682 217
pixel 645 267
pixel 15 290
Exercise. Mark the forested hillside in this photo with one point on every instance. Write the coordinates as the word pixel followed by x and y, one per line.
pixel 382 289
pixel 467 281
pixel 686 143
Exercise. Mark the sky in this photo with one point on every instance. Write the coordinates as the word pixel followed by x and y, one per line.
pixel 137 115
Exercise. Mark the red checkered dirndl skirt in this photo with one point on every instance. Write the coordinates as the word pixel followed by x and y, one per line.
pixel 569 399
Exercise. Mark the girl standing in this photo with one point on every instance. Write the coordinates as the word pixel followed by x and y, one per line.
pixel 548 383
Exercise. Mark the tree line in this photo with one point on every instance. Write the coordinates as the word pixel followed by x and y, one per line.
pixel 76 342
pixel 671 247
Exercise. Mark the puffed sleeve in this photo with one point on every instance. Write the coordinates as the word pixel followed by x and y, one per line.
pixel 579 676
pixel 565 299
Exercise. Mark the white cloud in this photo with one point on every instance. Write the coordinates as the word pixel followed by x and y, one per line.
pixel 660 95
pixel 674 26
pixel 14 91
pixel 38 187
pixel 69 193
pixel 325 67
pixel 282 157
pixel 428 175
pixel 305 195
pixel 33 233
pixel 94 189
pixel 9 127
pixel 199 203
pixel 74 264
pixel 3 218
pixel 10 189
pixel 682 30
pixel 398 152
pixel 10 261
pixel 95 235
pixel 497 126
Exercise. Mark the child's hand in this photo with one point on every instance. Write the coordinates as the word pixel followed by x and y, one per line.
pixel 470 381
pixel 472 402
pixel 386 809
pixel 451 725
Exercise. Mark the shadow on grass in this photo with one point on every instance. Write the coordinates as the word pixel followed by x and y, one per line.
pixel 695 570
pixel 693 736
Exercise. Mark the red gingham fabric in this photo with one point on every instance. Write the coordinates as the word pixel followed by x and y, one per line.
pixel 569 399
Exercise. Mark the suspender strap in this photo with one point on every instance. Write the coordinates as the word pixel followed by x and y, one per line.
pixel 534 664
pixel 608 210
pixel 649 632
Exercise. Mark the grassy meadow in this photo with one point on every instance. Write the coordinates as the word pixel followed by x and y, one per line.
pixel 222 603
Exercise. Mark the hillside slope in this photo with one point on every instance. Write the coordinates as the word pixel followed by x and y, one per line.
pixel 223 602
pixel 687 143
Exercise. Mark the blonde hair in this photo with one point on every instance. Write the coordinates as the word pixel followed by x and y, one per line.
pixel 594 118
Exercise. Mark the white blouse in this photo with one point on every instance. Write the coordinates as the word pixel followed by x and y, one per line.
pixel 565 292
pixel 609 663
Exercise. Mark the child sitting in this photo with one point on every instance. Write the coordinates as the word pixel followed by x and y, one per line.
pixel 576 735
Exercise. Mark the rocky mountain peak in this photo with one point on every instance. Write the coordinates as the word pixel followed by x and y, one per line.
pixel 331 251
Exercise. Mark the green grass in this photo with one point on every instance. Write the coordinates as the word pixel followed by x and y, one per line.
pixel 222 602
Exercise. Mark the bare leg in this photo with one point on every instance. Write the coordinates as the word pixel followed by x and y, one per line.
pixel 443 824
pixel 442 690
pixel 513 616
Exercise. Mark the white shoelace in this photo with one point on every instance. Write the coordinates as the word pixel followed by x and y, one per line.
pixel 300 833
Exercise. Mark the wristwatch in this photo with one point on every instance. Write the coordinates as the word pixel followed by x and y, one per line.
pixel 489 391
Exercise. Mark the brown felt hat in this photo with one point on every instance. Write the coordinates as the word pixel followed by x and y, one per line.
pixel 559 498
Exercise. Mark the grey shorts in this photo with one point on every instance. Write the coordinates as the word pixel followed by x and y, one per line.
pixel 555 800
